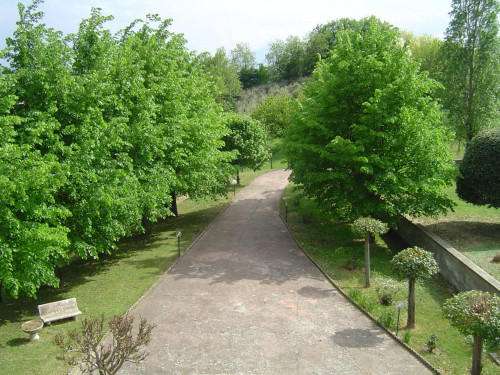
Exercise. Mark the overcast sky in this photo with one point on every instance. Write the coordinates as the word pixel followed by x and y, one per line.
pixel 209 24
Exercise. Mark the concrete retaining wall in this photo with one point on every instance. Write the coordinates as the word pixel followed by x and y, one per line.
pixel 457 269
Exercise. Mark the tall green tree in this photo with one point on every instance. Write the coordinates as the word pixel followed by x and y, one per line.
pixel 99 132
pixel 33 239
pixel 242 57
pixel 225 77
pixel 471 72
pixel 102 192
pixel 247 141
pixel 367 138
pixel 182 111
pixel 286 59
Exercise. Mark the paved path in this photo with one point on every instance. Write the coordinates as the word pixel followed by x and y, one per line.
pixel 246 300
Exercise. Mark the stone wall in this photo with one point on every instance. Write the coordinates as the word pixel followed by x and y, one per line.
pixel 457 269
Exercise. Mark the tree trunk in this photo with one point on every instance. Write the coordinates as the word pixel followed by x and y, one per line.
pixel 367 260
pixel 146 224
pixel 477 352
pixel 1 300
pixel 173 207
pixel 411 304
pixel 59 274
pixel 237 176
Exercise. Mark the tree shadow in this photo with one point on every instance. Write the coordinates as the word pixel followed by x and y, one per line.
pixel 358 338
pixel 81 271
pixel 315 293
pixel 18 342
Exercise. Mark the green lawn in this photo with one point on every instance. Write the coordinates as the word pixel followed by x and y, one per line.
pixel 334 247
pixel 473 230
pixel 110 285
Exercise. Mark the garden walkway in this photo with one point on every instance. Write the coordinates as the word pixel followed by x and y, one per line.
pixel 246 300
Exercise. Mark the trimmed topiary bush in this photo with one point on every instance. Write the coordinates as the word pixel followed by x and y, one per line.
pixel 479 182
pixel 367 226
pixel 475 313
pixel 413 263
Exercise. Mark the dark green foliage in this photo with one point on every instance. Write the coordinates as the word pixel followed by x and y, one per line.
pixel 367 138
pixel 250 77
pixel 479 182
pixel 432 343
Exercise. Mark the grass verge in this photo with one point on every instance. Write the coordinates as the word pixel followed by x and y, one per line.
pixel 110 285
pixel 340 254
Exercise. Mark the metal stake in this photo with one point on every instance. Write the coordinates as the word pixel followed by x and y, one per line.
pixel 178 235
pixel 399 306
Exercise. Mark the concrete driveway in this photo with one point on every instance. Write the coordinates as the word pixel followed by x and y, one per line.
pixel 246 300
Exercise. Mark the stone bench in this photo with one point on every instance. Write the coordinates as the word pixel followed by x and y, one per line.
pixel 64 309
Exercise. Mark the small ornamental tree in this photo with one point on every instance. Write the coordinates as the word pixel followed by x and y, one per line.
pixel 368 226
pixel 247 138
pixel 413 263
pixel 94 352
pixel 479 182
pixel 475 313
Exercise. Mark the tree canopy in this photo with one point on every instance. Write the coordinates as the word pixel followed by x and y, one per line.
pixel 471 67
pixel 367 137
pixel 98 131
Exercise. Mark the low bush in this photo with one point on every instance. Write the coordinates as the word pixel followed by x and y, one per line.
pixel 387 291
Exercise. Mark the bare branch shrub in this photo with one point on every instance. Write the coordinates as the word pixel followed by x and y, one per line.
pixel 106 355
